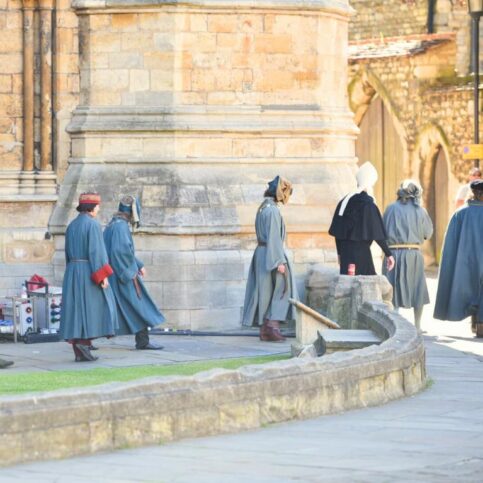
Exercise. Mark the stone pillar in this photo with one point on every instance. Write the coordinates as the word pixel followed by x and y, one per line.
pixel 195 106
pixel 28 7
pixel 46 8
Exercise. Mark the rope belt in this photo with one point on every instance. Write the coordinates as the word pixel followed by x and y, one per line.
pixel 262 244
pixel 78 260
pixel 407 246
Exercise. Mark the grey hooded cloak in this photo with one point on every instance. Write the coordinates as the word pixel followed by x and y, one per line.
pixel 268 291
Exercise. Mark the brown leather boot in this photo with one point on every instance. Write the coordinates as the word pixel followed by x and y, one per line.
pixel 273 333
pixel 264 331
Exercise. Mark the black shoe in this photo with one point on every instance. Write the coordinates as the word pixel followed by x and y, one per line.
pixel 85 354
pixel 150 346
pixel 83 359
pixel 4 364
pixel 93 347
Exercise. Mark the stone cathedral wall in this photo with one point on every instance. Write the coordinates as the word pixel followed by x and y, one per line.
pixel 194 107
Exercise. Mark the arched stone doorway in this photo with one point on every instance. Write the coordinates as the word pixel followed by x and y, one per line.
pixel 380 143
pixel 438 206
pixel 434 174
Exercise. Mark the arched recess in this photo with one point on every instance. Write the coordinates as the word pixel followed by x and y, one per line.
pixel 381 139
pixel 432 167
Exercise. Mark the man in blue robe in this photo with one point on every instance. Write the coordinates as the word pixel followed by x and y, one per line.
pixel 460 287
pixel 136 310
pixel 88 306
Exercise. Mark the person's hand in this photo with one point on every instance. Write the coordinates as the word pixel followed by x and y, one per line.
pixel 390 263
pixel 142 272
pixel 105 283
pixel 281 269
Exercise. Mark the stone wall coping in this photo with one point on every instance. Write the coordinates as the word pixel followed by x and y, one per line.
pixel 341 7
pixel 19 198
pixel 174 394
pixel 306 119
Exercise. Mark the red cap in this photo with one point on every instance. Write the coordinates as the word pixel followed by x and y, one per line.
pixel 89 199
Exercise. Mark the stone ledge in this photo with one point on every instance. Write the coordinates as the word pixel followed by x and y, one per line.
pixel 154 410
pixel 336 6
pixel 300 119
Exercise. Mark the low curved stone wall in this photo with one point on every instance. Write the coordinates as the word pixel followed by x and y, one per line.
pixel 156 410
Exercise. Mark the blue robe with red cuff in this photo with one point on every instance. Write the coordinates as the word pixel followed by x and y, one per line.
pixel 136 309
pixel 88 311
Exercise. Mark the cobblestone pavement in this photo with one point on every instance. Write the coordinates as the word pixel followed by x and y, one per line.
pixel 434 436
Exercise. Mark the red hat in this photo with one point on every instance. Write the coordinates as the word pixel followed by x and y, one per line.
pixel 90 199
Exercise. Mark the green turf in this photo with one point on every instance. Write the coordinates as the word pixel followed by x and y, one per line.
pixel 18 383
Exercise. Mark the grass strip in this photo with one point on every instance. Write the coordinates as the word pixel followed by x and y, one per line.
pixel 19 383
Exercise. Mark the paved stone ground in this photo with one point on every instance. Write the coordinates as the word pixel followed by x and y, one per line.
pixel 435 436
pixel 120 352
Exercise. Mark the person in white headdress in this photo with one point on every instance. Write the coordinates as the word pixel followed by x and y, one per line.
pixel 357 222
pixel 407 225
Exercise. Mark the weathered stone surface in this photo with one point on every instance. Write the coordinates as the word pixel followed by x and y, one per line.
pixel 254 79
pixel 117 415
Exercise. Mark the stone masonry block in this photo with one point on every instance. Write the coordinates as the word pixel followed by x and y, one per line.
pixel 218 319
pixel 138 80
pixel 125 60
pixel 193 295
pixel 273 44
pixel 198 22
pixel 157 243
pixel 217 257
pixel 173 258
pixel 222 23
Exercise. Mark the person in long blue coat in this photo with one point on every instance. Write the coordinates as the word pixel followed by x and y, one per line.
pixel 271 279
pixel 408 225
pixel 460 285
pixel 137 312
pixel 88 306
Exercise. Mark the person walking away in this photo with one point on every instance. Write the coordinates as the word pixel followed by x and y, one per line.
pixel 356 223
pixel 137 312
pixel 271 280
pixel 88 306
pixel 460 283
pixel 407 225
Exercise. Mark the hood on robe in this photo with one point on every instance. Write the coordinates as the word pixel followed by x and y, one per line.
pixel 366 178
pixel 280 189
pixel 131 206
pixel 410 190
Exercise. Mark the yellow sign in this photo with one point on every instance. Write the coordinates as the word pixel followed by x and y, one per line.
pixel 473 151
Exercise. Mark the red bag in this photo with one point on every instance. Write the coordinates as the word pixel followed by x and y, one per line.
pixel 36 282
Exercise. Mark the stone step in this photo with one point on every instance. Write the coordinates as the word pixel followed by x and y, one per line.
pixel 344 340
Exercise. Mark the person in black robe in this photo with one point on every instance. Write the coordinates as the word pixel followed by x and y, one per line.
pixel 357 222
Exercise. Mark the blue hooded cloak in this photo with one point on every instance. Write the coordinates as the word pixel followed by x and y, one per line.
pixel 460 287
pixel 136 310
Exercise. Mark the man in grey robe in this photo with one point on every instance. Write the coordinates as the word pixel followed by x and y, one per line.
pixel 460 285
pixel 407 226
pixel 270 281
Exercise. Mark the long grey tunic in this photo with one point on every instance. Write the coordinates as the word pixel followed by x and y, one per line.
pixel 266 294
pixel 407 223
